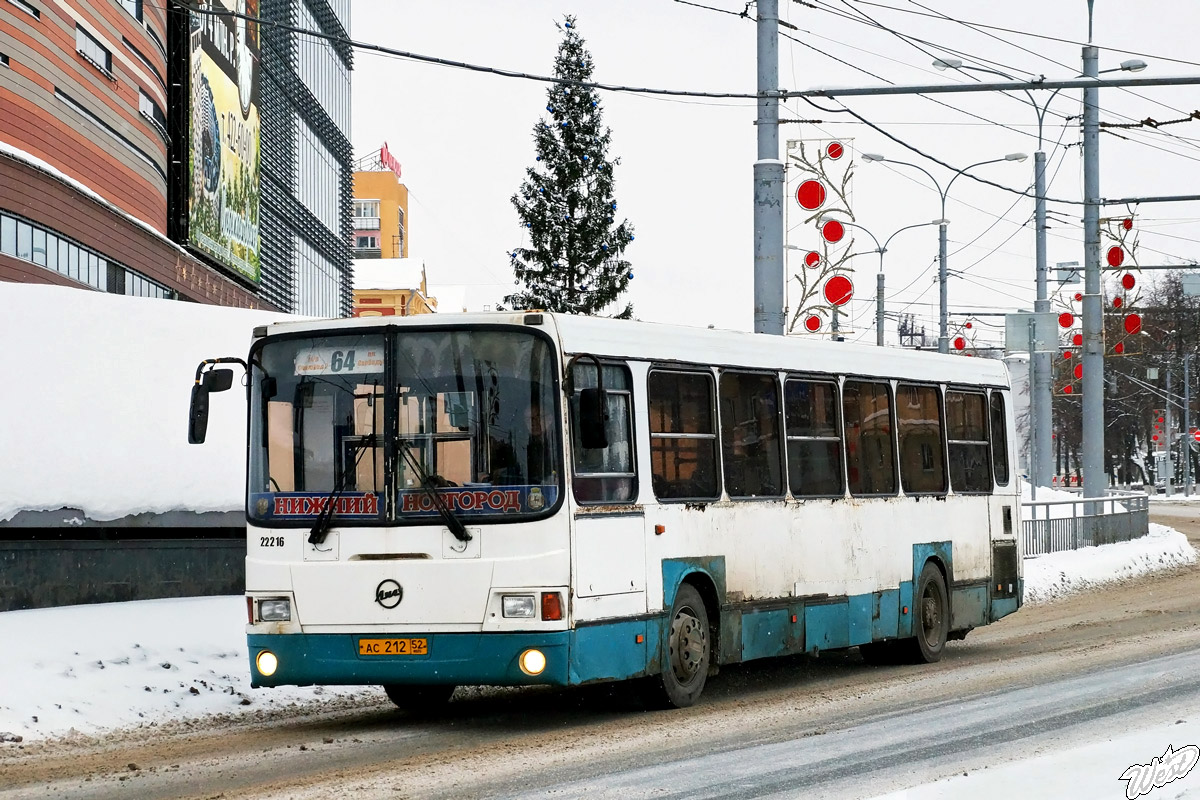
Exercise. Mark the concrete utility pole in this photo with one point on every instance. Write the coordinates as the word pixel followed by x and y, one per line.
pixel 1094 484
pixel 769 313
pixel 1168 429
pixel 1186 445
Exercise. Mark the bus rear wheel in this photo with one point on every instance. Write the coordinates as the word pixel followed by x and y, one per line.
pixel 419 699
pixel 688 651
pixel 931 623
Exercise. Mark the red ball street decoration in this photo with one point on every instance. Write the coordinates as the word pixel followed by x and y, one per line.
pixel 812 259
pixel 1116 256
pixel 1127 224
pixel 1120 348
pixel 967 326
pixel 1128 281
pixel 1066 319
pixel 1079 370
pixel 1133 324
pixel 835 150
pixel 1117 302
pixel 1068 389
pixel 1078 296
pixel 811 195
pixel 1066 353
pixel 960 343
pixel 813 323
pixel 838 290
pixel 1077 340
pixel 1154 438
pixel 833 231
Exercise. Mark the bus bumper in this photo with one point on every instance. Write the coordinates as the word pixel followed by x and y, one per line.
pixel 452 658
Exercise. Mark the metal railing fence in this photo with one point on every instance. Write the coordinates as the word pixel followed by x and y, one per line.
pixel 1050 526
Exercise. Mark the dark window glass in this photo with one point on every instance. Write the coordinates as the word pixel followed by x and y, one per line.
pixel 604 475
pixel 52 251
pixel 999 439
pixel 683 439
pixel 116 279
pixel 814 443
pixel 870 463
pixel 966 429
pixel 750 435
pixel 919 433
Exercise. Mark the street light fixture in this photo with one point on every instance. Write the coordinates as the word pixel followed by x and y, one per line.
pixel 880 249
pixel 943 223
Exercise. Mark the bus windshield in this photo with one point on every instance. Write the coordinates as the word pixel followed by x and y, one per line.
pixel 378 425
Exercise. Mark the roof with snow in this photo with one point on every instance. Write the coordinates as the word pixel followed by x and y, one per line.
pixel 388 273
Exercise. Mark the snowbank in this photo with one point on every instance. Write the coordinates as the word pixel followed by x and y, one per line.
pixel 95 417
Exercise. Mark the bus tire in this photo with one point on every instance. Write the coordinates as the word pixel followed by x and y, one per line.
pixel 931 623
pixel 687 651
pixel 418 698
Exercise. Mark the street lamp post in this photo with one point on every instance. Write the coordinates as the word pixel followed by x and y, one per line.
pixel 1040 391
pixel 879 279
pixel 943 223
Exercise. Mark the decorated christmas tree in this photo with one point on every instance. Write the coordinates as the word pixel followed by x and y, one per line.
pixel 573 261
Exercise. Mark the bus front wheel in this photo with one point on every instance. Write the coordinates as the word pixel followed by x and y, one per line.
pixel 688 651
pixel 419 699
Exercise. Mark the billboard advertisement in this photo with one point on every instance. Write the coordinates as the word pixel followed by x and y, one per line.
pixel 223 188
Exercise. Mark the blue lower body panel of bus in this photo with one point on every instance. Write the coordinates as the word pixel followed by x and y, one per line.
pixel 454 658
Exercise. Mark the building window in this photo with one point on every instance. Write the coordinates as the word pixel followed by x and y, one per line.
pixel 814 441
pixel 683 436
pixel 151 111
pixel 145 61
pixel 870 463
pixel 134 7
pixel 366 215
pixel 966 428
pixel 750 435
pixel 28 8
pixel 91 49
pixel 3 59
pixel 366 241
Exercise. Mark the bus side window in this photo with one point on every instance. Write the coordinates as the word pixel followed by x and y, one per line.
pixel 814 443
pixel 683 438
pixel 919 431
pixel 966 429
pixel 870 463
pixel 750 435
pixel 999 439
pixel 604 475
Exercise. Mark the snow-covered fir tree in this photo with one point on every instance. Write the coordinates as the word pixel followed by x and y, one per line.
pixel 573 262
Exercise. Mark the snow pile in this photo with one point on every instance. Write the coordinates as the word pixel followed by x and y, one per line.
pixel 81 669
pixel 1057 574
pixel 100 408
pixel 85 669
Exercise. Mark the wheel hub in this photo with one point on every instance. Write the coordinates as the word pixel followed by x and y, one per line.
pixel 689 642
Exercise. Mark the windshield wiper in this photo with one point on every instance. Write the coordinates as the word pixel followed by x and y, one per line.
pixel 320 528
pixel 452 522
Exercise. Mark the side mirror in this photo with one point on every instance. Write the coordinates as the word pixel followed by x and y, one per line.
pixel 198 415
pixel 593 419
pixel 218 380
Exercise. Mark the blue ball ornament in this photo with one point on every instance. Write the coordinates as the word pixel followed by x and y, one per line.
pixel 631 237
pixel 630 276
pixel 539 158
pixel 603 247
pixel 568 24
pixel 594 104
pixel 614 206
pixel 566 123
pixel 585 158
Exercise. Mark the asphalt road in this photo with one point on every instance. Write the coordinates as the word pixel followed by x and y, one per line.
pixel 1052 675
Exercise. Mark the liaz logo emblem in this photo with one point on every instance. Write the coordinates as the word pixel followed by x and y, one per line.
pixel 389 593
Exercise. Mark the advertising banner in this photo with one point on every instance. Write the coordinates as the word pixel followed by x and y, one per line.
pixel 223 193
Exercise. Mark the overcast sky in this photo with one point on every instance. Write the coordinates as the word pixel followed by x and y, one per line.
pixel 464 139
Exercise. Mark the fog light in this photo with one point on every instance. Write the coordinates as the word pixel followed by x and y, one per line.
pixel 518 605
pixel 267 663
pixel 275 610
pixel 532 662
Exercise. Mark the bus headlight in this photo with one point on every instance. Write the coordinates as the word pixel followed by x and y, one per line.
pixel 267 663
pixel 275 610
pixel 532 662
pixel 520 606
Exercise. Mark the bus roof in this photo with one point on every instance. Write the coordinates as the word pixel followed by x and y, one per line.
pixel 660 342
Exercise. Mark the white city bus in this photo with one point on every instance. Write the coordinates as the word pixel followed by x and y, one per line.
pixel 533 498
